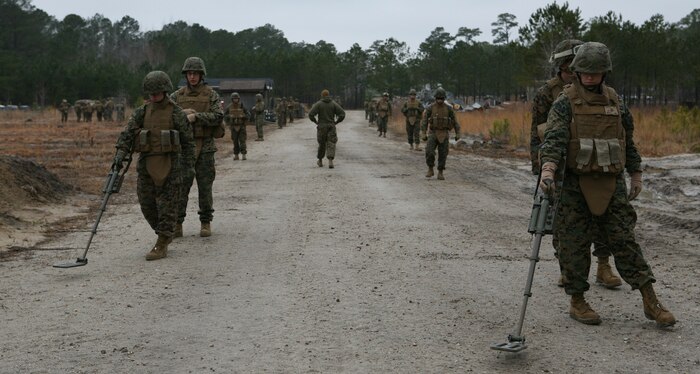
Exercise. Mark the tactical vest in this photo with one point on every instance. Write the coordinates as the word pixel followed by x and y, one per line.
pixel 412 108
pixel 383 108
pixel 597 143
pixel 259 107
pixel 199 101
pixel 158 136
pixel 555 86
pixel 440 118
pixel 237 115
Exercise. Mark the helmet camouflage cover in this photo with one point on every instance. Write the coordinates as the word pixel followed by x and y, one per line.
pixel 412 92
pixel 258 97
pixel 157 81
pixel 194 64
pixel 564 52
pixel 592 57
pixel 440 93
pixel 235 95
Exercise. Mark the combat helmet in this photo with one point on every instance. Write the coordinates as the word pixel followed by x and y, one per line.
pixel 235 95
pixel 440 93
pixel 564 52
pixel 412 92
pixel 258 97
pixel 157 81
pixel 385 94
pixel 592 57
pixel 194 64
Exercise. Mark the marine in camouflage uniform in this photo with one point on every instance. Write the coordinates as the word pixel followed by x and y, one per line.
pixel 326 113
pixel 259 113
pixel 201 105
pixel 159 131
pixel 109 109
pixel 99 109
pixel 413 110
pixel 64 107
pixel 78 107
pixel 88 108
pixel 438 119
pixel 281 111
pixel 291 109
pixel 590 135
pixel 235 117
pixel 383 114
pixel 561 59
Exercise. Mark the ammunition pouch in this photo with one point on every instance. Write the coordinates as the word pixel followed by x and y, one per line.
pixel 165 141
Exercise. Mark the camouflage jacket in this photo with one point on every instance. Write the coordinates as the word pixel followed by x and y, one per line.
pixel 419 109
pixel 556 138
pixel 133 126
pixel 429 113
pixel 540 109
pixel 64 107
pixel 326 111
pixel 228 120
pixel 211 117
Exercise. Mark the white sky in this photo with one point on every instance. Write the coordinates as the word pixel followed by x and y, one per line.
pixel 344 22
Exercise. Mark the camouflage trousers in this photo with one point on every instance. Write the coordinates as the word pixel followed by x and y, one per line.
pixel 442 149
pixel 382 123
pixel 205 173
pixel 259 122
pixel 413 132
pixel 239 138
pixel 290 116
pixel 281 119
pixel 575 227
pixel 64 116
pixel 326 137
pixel 159 205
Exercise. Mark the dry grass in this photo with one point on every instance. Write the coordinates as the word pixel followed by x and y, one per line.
pixel 658 131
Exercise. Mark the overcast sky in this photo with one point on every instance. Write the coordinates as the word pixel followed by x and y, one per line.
pixel 344 22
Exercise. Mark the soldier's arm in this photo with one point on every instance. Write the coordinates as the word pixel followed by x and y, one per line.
pixel 453 117
pixel 404 109
pixel 633 161
pixel 557 134
pixel 227 116
pixel 313 113
pixel 424 120
pixel 128 135
pixel 245 111
pixel 184 129
pixel 214 115
pixel 539 111
pixel 339 113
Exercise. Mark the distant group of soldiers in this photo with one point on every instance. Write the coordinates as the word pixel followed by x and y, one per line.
pixel 285 111
pixel 84 110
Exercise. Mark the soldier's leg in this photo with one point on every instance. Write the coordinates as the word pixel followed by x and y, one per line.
pixel 443 149
pixel 259 127
pixel 242 137
pixel 235 138
pixel 167 200
pixel 572 229
pixel 331 140
pixel 416 135
pixel 409 133
pixel 206 173
pixel 430 151
pixel 187 180
pixel 322 139
pixel 146 192
pixel 619 222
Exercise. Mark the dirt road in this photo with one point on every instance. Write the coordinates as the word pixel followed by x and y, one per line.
pixel 367 267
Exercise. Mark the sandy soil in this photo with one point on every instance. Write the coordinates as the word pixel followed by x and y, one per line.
pixel 368 267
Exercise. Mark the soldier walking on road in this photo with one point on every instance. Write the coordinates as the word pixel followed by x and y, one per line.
pixel 99 109
pixel 63 108
pixel 291 108
pixel 201 105
pixel 109 108
pixel 326 113
pixel 413 110
pixel 590 134
pixel 542 103
pixel 235 116
pixel 281 111
pixel 383 114
pixel 158 130
pixel 372 112
pixel 439 119
pixel 78 109
pixel 259 113
pixel 87 110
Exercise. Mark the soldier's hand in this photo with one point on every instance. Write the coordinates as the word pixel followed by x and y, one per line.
pixel 189 111
pixel 547 177
pixel 191 117
pixel 457 136
pixel 635 185
pixel 119 159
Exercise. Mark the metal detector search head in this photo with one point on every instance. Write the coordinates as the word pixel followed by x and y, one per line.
pixel 71 264
pixel 514 345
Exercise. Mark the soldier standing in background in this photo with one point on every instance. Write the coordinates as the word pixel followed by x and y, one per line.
pixel 367 109
pixel 64 108
pixel 99 109
pixel 383 114
pixel 201 105
pixel 78 110
pixel 158 130
pixel 440 118
pixel 372 112
pixel 542 103
pixel 109 108
pixel 291 109
pixel 326 113
pixel 259 113
pixel 119 108
pixel 281 111
pixel 235 116
pixel 87 110
pixel 590 132
pixel 413 110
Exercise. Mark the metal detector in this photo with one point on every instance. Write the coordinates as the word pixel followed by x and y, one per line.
pixel 541 220
pixel 115 178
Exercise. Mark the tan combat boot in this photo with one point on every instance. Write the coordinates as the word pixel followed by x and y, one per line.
pixel 243 156
pixel 205 230
pixel 582 312
pixel 440 176
pixel 160 250
pixel 560 282
pixel 235 157
pixel 604 275
pixel 418 148
pixel 178 231
pixel 430 173
pixel 653 309
pixel 330 164
pixel 319 163
pixel 411 145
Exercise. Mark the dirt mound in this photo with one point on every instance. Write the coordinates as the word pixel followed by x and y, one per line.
pixel 27 183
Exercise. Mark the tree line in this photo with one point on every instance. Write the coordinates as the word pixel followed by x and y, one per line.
pixel 45 60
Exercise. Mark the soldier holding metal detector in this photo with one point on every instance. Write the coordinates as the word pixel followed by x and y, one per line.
pixel 159 131
pixel 590 135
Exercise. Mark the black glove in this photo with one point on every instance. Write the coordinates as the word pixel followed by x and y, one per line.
pixel 119 158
